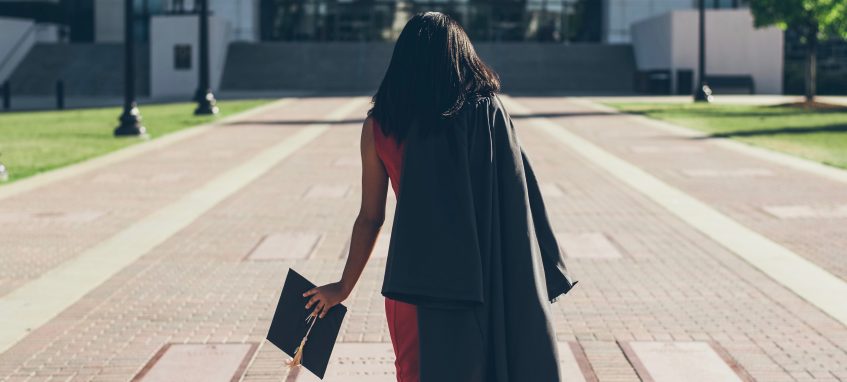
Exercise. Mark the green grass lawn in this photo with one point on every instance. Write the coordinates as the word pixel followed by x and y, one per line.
pixel 34 142
pixel 819 135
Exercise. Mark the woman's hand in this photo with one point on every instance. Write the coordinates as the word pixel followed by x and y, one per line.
pixel 325 297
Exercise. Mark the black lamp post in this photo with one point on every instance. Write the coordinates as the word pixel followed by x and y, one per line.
pixel 205 98
pixel 702 93
pixel 131 117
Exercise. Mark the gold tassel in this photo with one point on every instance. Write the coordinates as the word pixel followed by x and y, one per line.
pixel 298 353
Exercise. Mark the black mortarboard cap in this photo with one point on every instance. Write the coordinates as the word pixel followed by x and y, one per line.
pixel 291 324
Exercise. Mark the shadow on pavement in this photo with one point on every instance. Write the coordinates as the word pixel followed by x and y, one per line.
pixel 295 122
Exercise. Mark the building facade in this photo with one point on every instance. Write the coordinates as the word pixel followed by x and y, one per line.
pixel 595 21
pixel 552 32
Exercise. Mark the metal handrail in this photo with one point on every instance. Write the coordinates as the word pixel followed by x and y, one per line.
pixel 17 46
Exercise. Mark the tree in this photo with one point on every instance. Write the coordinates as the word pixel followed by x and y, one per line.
pixel 811 19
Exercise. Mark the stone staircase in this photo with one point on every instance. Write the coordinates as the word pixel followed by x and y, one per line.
pixel 580 68
pixel 96 70
pixel 350 66
pixel 88 70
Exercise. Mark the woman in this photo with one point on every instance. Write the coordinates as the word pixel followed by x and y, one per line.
pixel 472 264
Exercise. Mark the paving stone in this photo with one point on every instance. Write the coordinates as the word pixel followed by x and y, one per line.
pixel 176 155
pixel 381 246
pixel 14 217
pixel 327 191
pixel 111 178
pixel 51 217
pixel 659 149
pixel 167 177
pixel 551 190
pixel 380 250
pixel 818 239
pixel 222 154
pixel 73 217
pixel 348 161
pixel 730 173
pixel 669 283
pixel 608 361
pixel 360 362
pixel 573 363
pixel 286 246
pixel 126 200
pixel 807 212
pixel 679 361
pixel 198 362
pixel 590 245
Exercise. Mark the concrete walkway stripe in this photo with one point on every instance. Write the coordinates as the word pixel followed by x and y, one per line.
pixel 83 167
pixel 811 282
pixel 797 163
pixel 38 301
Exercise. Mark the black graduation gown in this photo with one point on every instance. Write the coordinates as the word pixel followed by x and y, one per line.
pixel 472 248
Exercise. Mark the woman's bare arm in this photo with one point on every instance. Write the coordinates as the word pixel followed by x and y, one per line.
pixel 365 229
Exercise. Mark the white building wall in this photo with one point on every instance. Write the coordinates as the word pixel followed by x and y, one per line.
pixel 169 30
pixel 733 46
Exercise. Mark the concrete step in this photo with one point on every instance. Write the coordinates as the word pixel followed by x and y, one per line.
pixel 523 67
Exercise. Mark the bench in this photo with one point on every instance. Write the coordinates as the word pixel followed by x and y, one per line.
pixel 731 84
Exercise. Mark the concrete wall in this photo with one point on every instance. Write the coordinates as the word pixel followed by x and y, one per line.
pixel 47 33
pixel 88 70
pixel 170 30
pixel 17 38
pixel 346 66
pixel 652 41
pixel 733 46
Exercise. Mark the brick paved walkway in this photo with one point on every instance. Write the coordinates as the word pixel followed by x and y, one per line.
pixel 804 212
pixel 656 296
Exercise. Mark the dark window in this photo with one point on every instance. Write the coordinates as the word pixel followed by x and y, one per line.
pixel 182 56
pixel 382 20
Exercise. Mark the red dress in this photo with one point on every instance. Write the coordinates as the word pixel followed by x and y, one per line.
pixel 402 317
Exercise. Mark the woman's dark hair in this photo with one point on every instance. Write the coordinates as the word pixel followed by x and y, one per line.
pixel 434 70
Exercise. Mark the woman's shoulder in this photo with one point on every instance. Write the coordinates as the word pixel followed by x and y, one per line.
pixel 372 125
pixel 487 100
pixel 374 132
pixel 477 99
pixel 482 103
pixel 370 122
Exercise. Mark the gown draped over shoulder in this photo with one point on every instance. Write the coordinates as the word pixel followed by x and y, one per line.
pixel 473 251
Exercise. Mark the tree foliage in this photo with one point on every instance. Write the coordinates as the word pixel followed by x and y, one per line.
pixel 811 20
pixel 825 18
